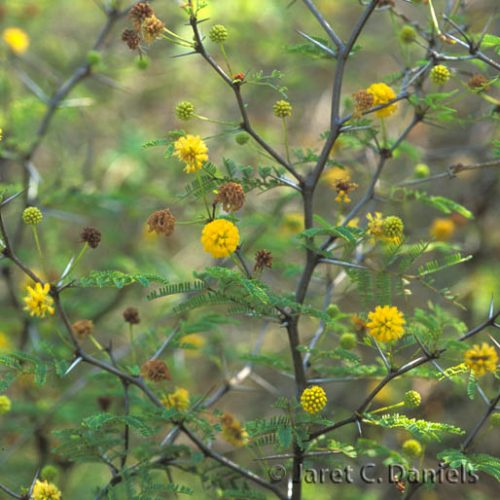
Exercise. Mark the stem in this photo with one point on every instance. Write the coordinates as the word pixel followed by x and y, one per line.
pixel 132 342
pixel 226 59
pixel 79 256
pixel 202 187
pixel 287 147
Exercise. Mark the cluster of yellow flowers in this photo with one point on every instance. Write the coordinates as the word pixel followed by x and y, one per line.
pixel 382 94
pixel 313 399
pixel 232 430
pixel 192 151
pixel 389 229
pixel 481 359
pixel 38 301
pixel 220 238
pixel 179 399
pixel 43 490
pixel 386 323
pixel 16 39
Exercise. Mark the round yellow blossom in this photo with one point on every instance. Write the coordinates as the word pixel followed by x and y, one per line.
pixel 481 359
pixel 386 323
pixel 44 490
pixel 32 216
pixel 440 74
pixel 179 399
pixel 232 430
pixel 192 151
pixel 5 344
pixel 220 238
pixel 442 229
pixel 375 226
pixel 38 301
pixel 282 109
pixel 412 448
pixel 392 229
pixel 5 405
pixel 17 40
pixel 382 94
pixel 313 399
pixel 412 399
pixel 335 174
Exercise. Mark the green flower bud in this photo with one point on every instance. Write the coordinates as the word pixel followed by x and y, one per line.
pixel 5 405
pixel 421 171
pixel 332 310
pixel 282 109
pixel 241 138
pixel 412 399
pixel 49 473
pixel 412 448
pixel 218 33
pixel 440 74
pixel 348 341
pixel 142 62
pixel 184 110
pixel 495 419
pixel 32 216
pixel 392 227
pixel 408 34
pixel 94 57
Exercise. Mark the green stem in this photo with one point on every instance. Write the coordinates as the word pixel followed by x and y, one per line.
pixel 40 252
pixel 384 132
pixel 390 407
pixel 132 342
pixel 79 256
pixel 211 120
pixel 287 147
pixel 226 59
pixel 202 187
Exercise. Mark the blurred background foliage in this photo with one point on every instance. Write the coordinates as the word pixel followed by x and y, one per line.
pixel 94 171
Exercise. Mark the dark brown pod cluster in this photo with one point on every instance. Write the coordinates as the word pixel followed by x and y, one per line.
pixel 91 236
pixel 155 370
pixel 131 38
pixel 231 196
pixel 146 26
pixel 363 101
pixel 131 315
pixel 82 328
pixel 162 222
pixel 478 82
pixel 263 258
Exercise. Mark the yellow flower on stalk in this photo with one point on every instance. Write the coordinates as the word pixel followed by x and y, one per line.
pixel 192 151
pixel 5 405
pixel 375 226
pixel 232 430
pixel 382 94
pixel 386 323
pixel 179 399
pixel 442 229
pixel 5 344
pixel 481 359
pixel 38 301
pixel 17 40
pixel 313 399
pixel 44 490
pixel 220 238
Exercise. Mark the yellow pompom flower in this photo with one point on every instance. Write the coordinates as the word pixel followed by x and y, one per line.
pixel 412 448
pixel 313 399
pixel 17 40
pixel 386 323
pixel 232 430
pixel 179 399
pixel 192 151
pixel 442 229
pixel 38 301
pixel 5 405
pixel 220 238
pixel 382 94
pixel 481 359
pixel 375 225
pixel 5 343
pixel 440 74
pixel 44 490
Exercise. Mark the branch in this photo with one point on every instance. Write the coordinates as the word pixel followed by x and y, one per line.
pixel 324 24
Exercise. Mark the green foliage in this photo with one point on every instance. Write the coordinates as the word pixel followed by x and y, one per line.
pixel 117 279
pixel 474 462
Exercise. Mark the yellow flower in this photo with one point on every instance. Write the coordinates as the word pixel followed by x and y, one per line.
pixel 45 491
pixel 292 224
pixel 5 405
pixel 220 238
pixel 38 301
pixel 392 229
pixel 386 323
pixel 5 343
pixel 442 229
pixel 179 399
pixel 353 222
pixel 17 40
pixel 192 343
pixel 313 399
pixel 412 448
pixel 382 94
pixel 375 225
pixel 481 359
pixel 232 430
pixel 192 151
pixel 335 174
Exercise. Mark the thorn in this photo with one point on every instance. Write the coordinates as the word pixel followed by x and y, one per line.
pixel 11 198
pixel 358 424
pixel 483 395
pixel 436 365
pixel 495 342
pixel 75 363
pixel 490 313
pixel 326 49
pixel 185 54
